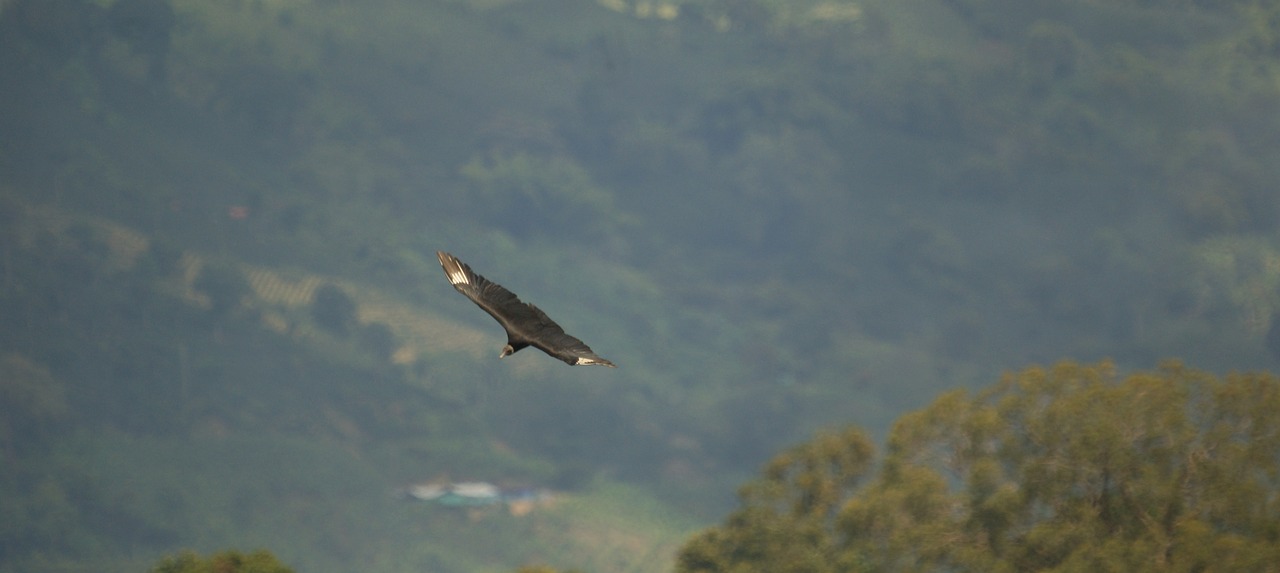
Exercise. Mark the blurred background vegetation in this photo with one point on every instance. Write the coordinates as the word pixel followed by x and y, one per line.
pixel 222 324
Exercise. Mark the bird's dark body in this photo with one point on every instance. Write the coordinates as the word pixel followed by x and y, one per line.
pixel 526 325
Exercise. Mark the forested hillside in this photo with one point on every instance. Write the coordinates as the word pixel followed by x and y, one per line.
pixel 222 324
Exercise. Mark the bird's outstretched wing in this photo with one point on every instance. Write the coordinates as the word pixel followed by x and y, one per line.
pixel 554 341
pixel 502 304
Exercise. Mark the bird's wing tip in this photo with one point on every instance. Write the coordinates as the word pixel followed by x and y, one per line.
pixel 594 362
pixel 453 268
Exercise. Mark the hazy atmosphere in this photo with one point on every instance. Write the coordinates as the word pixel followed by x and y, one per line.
pixel 223 323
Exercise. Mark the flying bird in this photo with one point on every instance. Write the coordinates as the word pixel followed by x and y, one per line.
pixel 526 325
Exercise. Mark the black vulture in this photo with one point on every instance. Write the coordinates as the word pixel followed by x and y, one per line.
pixel 526 325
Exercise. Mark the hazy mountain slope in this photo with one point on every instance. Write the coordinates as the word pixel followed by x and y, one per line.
pixel 774 216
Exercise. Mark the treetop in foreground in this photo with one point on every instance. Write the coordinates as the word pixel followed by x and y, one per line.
pixel 1069 468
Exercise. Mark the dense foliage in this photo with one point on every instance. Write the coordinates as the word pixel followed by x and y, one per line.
pixel 1071 468
pixel 260 561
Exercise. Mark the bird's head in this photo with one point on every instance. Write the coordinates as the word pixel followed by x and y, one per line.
pixel 507 351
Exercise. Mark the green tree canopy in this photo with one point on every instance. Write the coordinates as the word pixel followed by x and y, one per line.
pixel 334 310
pixel 1063 469
pixel 260 561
